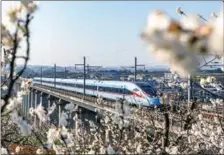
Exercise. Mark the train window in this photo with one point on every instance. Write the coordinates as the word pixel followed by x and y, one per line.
pixel 111 90
pixel 72 85
pixel 146 88
pixel 127 92
pixel 116 90
pixel 94 87
pixel 100 89
pixel 89 87
pixel 135 89
pixel 121 91
pixel 149 90
pixel 107 89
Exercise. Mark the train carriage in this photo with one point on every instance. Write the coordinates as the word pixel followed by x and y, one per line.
pixel 138 93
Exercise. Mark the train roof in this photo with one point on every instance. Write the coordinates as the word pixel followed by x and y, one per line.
pixel 89 81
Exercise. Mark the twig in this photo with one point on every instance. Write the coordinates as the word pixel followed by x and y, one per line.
pixel 12 63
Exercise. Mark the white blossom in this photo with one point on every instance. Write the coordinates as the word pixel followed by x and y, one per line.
pixel 110 150
pixel 139 148
pixel 4 150
pixel 17 149
pixel 63 119
pixel 210 79
pixel 70 107
pixel 202 82
pixel 157 21
pixel 91 152
pixel 52 135
pixel 174 150
pixel 102 150
pixel 217 37
pixel 40 151
pixel 41 113
pixel 216 120
pixel 183 85
pixel 31 111
pixel 200 116
pixel 51 109
pixel 171 42
pixel 25 128
pixel 221 151
pixel 68 137
pixel 58 149
pixel 4 87
pixel 191 22
pixel 14 14
pixel 2 103
pixel 29 6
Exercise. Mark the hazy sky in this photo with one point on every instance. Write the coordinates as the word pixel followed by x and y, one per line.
pixel 107 33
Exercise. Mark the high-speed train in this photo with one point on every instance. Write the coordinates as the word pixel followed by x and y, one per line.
pixel 137 93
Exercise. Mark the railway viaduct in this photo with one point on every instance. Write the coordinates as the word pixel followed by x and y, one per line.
pixel 47 95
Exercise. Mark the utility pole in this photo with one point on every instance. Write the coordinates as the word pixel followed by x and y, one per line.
pixel 65 73
pixel 189 88
pixel 223 63
pixel 84 74
pixel 84 77
pixel 135 68
pixel 55 75
pixel 41 75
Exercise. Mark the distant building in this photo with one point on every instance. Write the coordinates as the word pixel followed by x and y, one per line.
pixel 169 76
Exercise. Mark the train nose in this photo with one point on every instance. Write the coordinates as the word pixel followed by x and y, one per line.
pixel 154 101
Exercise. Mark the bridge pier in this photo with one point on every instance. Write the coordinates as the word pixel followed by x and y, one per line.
pixel 59 115
pixel 41 97
pixel 70 119
pixel 25 103
pixel 28 103
pixel 59 112
pixel 31 93
pixel 48 106
pixel 76 121
pixel 35 106
pixel 41 102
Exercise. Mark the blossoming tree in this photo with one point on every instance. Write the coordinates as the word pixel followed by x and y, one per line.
pixel 130 130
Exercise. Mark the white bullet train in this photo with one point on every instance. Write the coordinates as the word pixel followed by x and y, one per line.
pixel 138 93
